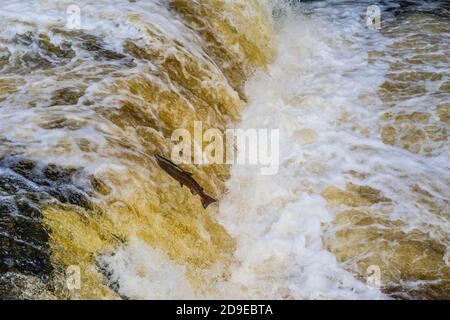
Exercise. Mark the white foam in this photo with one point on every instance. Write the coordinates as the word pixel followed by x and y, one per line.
pixel 316 83
pixel 142 272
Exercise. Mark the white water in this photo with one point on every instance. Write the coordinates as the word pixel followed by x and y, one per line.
pixel 321 92
pixel 277 221
pixel 142 272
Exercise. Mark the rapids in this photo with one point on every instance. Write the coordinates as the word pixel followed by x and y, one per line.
pixel 363 182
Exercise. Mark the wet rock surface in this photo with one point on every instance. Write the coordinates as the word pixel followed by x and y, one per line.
pixel 25 187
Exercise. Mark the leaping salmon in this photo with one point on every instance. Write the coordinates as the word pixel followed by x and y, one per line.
pixel 185 179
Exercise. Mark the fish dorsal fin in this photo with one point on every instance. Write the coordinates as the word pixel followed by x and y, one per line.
pixel 189 174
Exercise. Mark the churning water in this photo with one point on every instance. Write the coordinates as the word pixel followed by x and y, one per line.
pixel 362 191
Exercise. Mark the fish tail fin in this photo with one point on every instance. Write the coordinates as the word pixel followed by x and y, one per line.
pixel 207 200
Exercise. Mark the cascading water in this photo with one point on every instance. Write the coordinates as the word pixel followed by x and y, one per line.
pixel 363 180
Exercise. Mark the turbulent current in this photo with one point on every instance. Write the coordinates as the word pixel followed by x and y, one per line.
pixel 359 208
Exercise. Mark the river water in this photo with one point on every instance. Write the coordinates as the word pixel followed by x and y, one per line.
pixel 359 208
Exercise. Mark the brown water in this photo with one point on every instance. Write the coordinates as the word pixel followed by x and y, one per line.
pixel 363 179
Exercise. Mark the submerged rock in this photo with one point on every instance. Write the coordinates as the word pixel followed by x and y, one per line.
pixel 25 187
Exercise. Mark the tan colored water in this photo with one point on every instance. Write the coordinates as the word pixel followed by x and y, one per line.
pixel 364 155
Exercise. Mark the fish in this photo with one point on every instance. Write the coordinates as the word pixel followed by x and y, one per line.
pixel 185 179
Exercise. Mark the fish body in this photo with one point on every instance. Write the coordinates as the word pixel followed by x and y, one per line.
pixel 185 179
